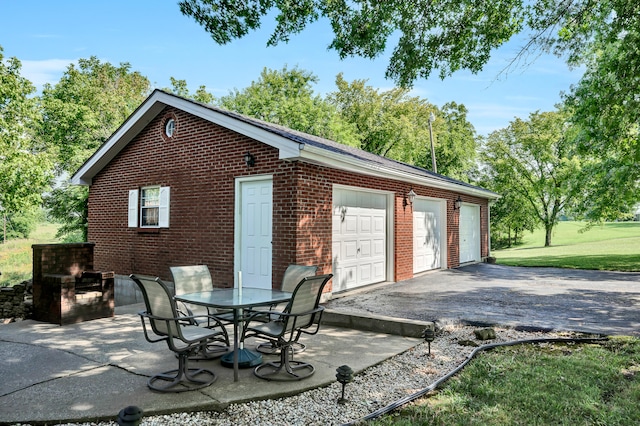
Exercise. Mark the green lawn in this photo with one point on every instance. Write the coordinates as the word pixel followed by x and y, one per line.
pixel 610 247
pixel 16 255
pixel 550 384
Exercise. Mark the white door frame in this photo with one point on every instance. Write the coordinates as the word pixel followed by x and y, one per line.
pixel 237 232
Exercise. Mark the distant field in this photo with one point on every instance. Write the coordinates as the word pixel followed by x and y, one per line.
pixel 610 247
pixel 16 255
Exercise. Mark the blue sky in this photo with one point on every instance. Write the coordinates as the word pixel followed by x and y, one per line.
pixel 159 42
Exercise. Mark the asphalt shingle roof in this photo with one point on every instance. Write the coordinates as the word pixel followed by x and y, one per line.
pixel 338 148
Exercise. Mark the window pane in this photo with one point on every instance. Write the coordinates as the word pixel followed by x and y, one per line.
pixel 150 216
pixel 150 197
pixel 149 206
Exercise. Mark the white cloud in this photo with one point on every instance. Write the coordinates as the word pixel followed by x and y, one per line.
pixel 44 71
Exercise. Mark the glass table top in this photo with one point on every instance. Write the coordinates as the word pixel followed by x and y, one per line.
pixel 236 298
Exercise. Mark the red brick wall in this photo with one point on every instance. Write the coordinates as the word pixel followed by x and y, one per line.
pixel 200 164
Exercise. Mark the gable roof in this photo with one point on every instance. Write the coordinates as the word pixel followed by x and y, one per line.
pixel 291 145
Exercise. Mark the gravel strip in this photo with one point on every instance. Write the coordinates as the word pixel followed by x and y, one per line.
pixel 377 387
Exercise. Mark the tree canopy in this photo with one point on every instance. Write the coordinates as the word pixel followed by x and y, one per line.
pixel 443 36
pixel 86 106
pixel 80 112
pixel 25 164
pixel 535 163
pixel 286 97
pixel 180 88
pixel 394 124
pixel 606 109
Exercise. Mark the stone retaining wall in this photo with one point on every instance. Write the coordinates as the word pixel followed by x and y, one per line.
pixel 12 301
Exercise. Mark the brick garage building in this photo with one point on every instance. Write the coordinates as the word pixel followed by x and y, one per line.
pixel 184 183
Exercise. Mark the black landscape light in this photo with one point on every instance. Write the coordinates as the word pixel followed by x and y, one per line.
pixel 344 375
pixel 429 335
pixel 130 416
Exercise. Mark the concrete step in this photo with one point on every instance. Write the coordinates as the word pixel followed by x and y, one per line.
pixel 377 324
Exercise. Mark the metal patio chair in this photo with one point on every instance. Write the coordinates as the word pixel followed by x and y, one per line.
pixel 197 278
pixel 183 337
pixel 290 279
pixel 301 315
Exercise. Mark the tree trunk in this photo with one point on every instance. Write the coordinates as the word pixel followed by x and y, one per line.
pixel 547 237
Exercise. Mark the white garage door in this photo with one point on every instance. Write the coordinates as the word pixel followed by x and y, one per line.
pixel 359 238
pixel 469 233
pixel 427 230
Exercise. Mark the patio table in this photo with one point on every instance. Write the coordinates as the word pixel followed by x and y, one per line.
pixel 237 299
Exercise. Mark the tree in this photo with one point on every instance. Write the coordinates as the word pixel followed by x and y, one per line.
pixel 381 119
pixel 180 88
pixel 451 35
pixel 457 142
pixel 25 165
pixel 68 204
pixel 393 124
pixel 511 215
pixel 606 109
pixel 447 35
pixel 286 97
pixel 536 162
pixel 80 113
pixel 86 106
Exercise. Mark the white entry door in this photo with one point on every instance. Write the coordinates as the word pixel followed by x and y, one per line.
pixel 359 238
pixel 427 230
pixel 469 233
pixel 255 233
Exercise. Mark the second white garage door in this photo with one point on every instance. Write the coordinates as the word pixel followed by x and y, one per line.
pixel 359 238
pixel 427 231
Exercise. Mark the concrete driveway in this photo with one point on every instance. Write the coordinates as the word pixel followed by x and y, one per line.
pixel 483 294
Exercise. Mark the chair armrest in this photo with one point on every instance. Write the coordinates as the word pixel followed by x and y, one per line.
pixel 178 319
pixel 186 330
pixel 298 314
pixel 270 329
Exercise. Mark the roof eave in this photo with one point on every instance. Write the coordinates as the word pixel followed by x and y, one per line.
pixel 341 162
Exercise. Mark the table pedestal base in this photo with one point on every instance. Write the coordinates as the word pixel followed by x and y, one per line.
pixel 246 359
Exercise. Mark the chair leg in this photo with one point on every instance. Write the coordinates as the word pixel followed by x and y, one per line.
pixel 293 370
pixel 187 378
pixel 224 333
pixel 270 348
pixel 209 351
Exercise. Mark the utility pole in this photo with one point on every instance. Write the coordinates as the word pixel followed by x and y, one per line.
pixel 432 118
